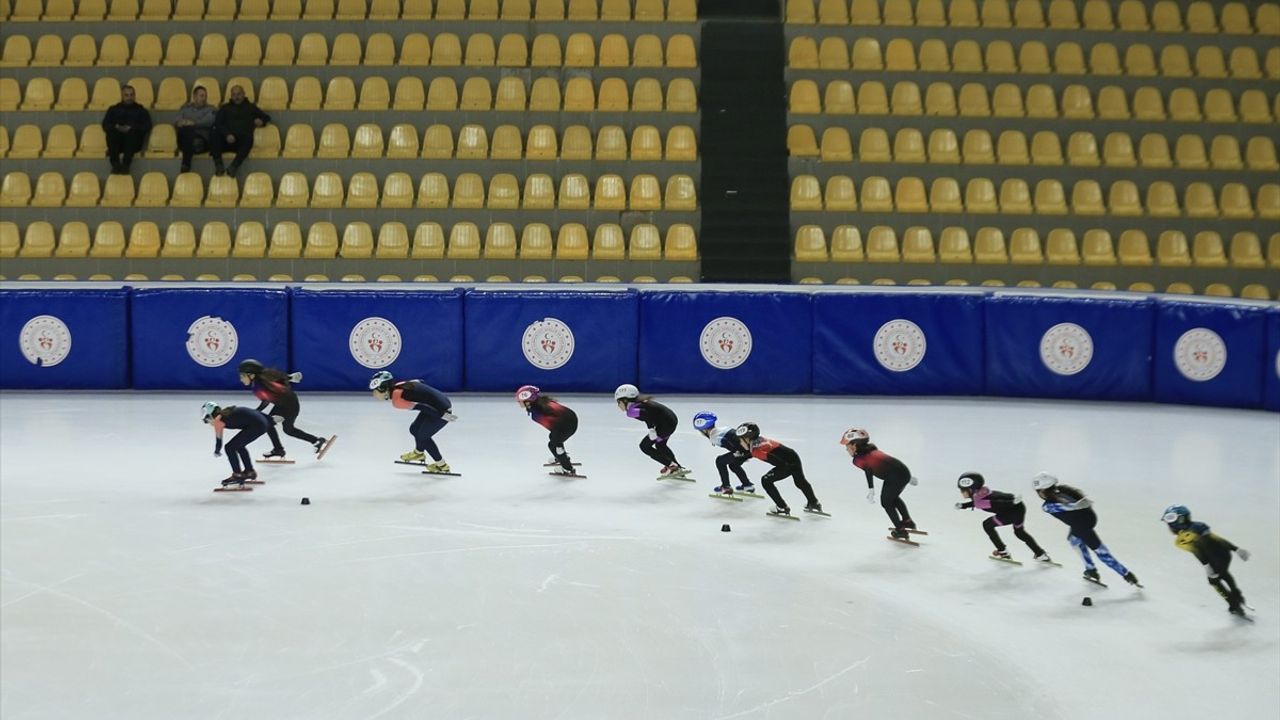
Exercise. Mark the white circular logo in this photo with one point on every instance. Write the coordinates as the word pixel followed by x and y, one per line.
pixel 374 342
pixel 45 341
pixel 1200 354
pixel 547 343
pixel 212 341
pixel 899 345
pixel 725 343
pixel 1066 348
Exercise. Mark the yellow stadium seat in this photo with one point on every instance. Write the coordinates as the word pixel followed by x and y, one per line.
pixel 38 241
pixel 909 195
pixel 290 9
pixel 179 240
pixel 379 51
pixel 335 142
pixel 441 95
pixel 27 142
pixel 575 192
pixel 917 245
pixel 480 51
pixel 375 94
pixel 535 242
pixel 327 191
pixel 803 98
pixel 1050 198
pixel 464 242
pixel 357 241
pixel 645 243
pixel 250 240
pixel 322 241
pixel 393 241
pixel 953 246
pixel 500 242
pixel 866 54
pixel 397 191
pixel 580 51
pixel 1024 247
pixel 806 193
pixel 944 196
pixel 468 191
pixel 340 94
pixel 1135 249
pixel 1086 198
pixel 48 52
pixel 300 142
pixel 539 192
pixel 1243 64
pixel 415 50
pixel 1124 200
pixel 108 241
pixel 433 191
pixel 944 148
pixel 119 191
pixel 306 94
pixel 846 244
pixel 1082 150
pixel 403 142
pixel 645 194
pixel 839 195
pixel 1015 197
pixel 681 96
pixel 1117 151
pixel 980 196
pixel 1224 153
pixel 153 191
pixel 608 243
pixel 1253 106
pixel 1255 291
pixel 836 145
pixel 473 142
pixel 1273 251
pixel 293 191
pixel 1208 251
pixel 1153 150
pixel 367 144
pixel 542 143
pixel 571 242
pixel 800 12
pixel 906 99
pixel 681 243
pixel 1235 201
pixel 476 95
pixel 1098 248
pixel 882 245
pixel 258 192
pixel 362 191
pixel 1268 201
pixel 513 51
pixel 447 51
pixel 989 247
pixel 1246 251
pixel 215 241
pixel 409 94
pixel 1046 150
pixel 50 190
pixel 1200 201
pixel 1000 57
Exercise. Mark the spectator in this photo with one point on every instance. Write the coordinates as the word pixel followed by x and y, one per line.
pixel 194 123
pixel 126 124
pixel 233 130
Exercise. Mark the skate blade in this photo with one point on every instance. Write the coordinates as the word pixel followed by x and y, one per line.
pixel 722 496
pixel 442 474
pixel 255 482
pixel 568 475
pixel 275 461
pixel 670 477
pixel 912 543
pixel 1095 582
pixel 325 448
pixel 406 462
pixel 781 516
pixel 913 532
pixel 1011 561
pixel 743 493
pixel 230 488
pixel 1054 563
pixel 553 464
pixel 818 512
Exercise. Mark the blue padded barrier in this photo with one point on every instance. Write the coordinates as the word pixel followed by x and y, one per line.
pixel 898 343
pixel 340 338
pixel 64 338
pixel 193 338
pixel 1271 362
pixel 725 342
pixel 582 341
pixel 1209 353
pixel 1077 347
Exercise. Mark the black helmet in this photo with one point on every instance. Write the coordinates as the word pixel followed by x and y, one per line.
pixel 970 481
pixel 748 431
pixel 250 367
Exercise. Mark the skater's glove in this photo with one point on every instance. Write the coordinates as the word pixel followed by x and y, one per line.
pixel 1242 554
pixel 278 419
pixel 962 506
pixel 1213 574
pixel 915 480
pixel 217 448
pixel 449 417
pixel 1017 498
pixel 653 435
pixel 295 377
pixel 871 496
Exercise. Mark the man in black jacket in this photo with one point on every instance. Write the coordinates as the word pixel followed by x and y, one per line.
pixel 126 124
pixel 233 130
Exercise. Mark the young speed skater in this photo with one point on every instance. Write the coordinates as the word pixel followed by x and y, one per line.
pixel 1076 511
pixel 1213 552
pixel 1006 509
pixel 727 439
pixel 274 388
pixel 251 424
pixel 894 476
pixel 662 424
pixel 559 420
pixel 434 412
pixel 786 464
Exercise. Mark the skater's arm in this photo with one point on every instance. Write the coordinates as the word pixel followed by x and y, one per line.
pixel 218 425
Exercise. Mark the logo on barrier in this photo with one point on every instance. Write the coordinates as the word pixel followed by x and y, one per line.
pixel 899 345
pixel 45 341
pixel 1200 354
pixel 547 343
pixel 212 341
pixel 375 342
pixel 725 343
pixel 1066 348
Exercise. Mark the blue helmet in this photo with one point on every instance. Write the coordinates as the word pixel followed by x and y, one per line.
pixel 704 420
pixel 1177 517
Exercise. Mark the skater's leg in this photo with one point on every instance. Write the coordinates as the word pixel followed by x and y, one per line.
pixel 1090 538
pixel 238 448
pixel 1234 597
pixel 797 472
pixel 426 427
pixel 722 467
pixel 890 491
pixel 735 464
pixel 293 431
pixel 276 447
pixel 989 527
pixel 560 432
pixel 663 447
pixel 1025 537
pixel 1079 545
pixel 648 447
pixel 770 482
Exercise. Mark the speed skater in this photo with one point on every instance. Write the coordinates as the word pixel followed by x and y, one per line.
pixel 434 412
pixel 1213 551
pixel 893 474
pixel 1076 511
pixel 274 388
pixel 735 455
pixel 661 422
pixel 559 420
pixel 786 464
pixel 252 425
pixel 1006 509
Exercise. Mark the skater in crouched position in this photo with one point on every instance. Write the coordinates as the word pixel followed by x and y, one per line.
pixel 559 420
pixel 274 388
pixel 1006 509
pixel 662 424
pixel 1213 552
pixel 434 412
pixel 893 474
pixel 251 424
pixel 1070 506
pixel 786 464
pixel 727 439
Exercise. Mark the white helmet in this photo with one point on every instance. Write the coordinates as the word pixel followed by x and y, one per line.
pixel 855 435
pixel 207 411
pixel 626 392
pixel 382 381
pixel 1043 481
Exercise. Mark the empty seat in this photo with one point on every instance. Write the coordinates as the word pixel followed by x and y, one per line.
pixel 1208 251
pixel 1246 251
pixel 1172 249
pixel 989 247
pixel 1098 248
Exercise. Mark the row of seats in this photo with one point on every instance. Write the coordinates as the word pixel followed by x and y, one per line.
pixel 1049 197
pixel 1252 291
pixel 355 278
pixel 285 240
pixel 378 49
pixel 1025 248
pixel 580 94
pixel 347 10
pixel 1075 102
pixel 1045 148
pixel 1032 57
pixel 1128 15
pixel 437 143
pixel 327 190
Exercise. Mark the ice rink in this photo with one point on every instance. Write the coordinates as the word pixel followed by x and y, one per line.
pixel 130 590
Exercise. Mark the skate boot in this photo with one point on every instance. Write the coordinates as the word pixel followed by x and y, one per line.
pixel 908 524
pixel 275 453
pixel 438 467
pixel 724 490
pixel 746 487
pixel 899 534
pixel 1001 555
pixel 250 475
pixel 1236 610
pixel 1044 558
pixel 1091 574
pixel 1132 579
pixel 680 472
pixel 781 511
pixel 813 507
pixel 237 478
pixel 413 456
pixel 318 445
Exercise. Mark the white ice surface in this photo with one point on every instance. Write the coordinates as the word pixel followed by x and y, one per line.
pixel 129 590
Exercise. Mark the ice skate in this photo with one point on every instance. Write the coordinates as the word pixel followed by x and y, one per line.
pixel 274 454
pixel 782 512
pixel 1091 574
pixel 237 478
pixel 251 477
pixel 413 456
pixel 1044 559
pixel 724 492
pixel 1001 555
pixel 899 534
pixel 438 467
pixel 322 446
pixel 674 472
pixel 815 508
pixel 746 487
pixel 1132 579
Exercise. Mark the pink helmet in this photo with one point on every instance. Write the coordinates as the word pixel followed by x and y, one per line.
pixel 527 393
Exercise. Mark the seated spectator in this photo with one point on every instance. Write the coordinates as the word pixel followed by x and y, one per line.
pixel 233 130
pixel 195 123
pixel 126 124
